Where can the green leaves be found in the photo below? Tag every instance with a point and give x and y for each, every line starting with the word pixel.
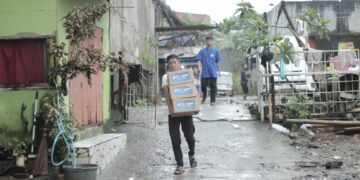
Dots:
pixel 80 22
pixel 146 56
pixel 315 23
pixel 287 50
pixel 226 25
pixel 245 9
pixel 20 145
pixel 260 25
pixel 80 25
pixel 297 107
pixel 141 102
pixel 83 60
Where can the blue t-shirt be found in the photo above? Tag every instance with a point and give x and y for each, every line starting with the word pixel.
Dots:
pixel 209 57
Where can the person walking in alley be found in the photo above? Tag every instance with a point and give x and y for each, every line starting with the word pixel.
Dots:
pixel 209 64
pixel 244 81
pixel 187 124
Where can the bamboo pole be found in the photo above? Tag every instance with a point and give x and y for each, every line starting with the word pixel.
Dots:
pixel 352 129
pixel 335 122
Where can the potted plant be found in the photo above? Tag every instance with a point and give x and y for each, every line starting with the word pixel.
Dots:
pixel 19 151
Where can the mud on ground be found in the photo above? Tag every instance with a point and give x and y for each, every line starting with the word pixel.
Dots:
pixel 328 155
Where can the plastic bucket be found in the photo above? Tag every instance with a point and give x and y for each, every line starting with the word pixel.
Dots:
pixel 80 172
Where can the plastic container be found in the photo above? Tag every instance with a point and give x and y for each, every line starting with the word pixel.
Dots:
pixel 80 172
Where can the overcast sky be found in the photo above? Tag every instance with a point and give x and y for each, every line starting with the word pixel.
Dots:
pixel 217 9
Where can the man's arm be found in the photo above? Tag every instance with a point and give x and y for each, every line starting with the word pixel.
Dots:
pixel 217 60
pixel 199 57
pixel 166 91
pixel 168 100
pixel 218 68
pixel 199 65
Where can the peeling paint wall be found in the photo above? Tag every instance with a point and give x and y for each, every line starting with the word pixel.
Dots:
pixel 343 16
pixel 39 17
pixel 129 27
pixel 132 24
pixel 295 10
pixel 355 18
pixel 31 17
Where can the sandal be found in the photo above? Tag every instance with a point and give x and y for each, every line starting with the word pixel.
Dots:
pixel 193 162
pixel 179 170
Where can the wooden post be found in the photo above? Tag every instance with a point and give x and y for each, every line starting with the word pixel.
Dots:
pixel 272 94
pixel 261 106
pixel 270 111
pixel 271 101
pixel 271 97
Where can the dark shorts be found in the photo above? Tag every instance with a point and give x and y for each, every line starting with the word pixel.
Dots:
pixel 245 88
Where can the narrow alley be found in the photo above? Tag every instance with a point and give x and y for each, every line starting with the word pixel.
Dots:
pixel 243 149
pixel 107 89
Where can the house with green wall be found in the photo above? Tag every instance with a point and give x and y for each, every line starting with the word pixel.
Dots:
pixel 27 30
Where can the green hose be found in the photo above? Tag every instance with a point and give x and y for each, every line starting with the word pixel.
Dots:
pixel 66 136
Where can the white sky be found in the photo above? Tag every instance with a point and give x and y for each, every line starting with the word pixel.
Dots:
pixel 217 9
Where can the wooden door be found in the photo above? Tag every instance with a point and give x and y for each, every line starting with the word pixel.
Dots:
pixel 87 100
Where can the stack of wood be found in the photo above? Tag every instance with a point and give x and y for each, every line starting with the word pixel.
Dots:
pixel 340 126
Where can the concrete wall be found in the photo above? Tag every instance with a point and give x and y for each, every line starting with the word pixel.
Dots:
pixel 29 18
pixel 130 27
pixel 343 15
pixel 39 17
pixel 22 16
pixel 10 112
pixel 343 18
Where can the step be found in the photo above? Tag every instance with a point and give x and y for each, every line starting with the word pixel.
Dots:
pixel 100 150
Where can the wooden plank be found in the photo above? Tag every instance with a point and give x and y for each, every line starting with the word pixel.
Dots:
pixel 314 121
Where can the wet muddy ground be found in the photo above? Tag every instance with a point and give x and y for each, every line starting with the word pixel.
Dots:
pixel 328 155
pixel 251 151
pixel 232 146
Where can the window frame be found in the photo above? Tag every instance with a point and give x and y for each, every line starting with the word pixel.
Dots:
pixel 46 41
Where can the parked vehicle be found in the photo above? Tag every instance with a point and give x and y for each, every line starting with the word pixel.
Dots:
pixel 225 85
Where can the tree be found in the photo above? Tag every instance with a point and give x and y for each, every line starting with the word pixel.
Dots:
pixel 253 30
pixel 248 29
pixel 245 9
pixel 315 23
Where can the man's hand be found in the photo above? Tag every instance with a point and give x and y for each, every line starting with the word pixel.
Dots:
pixel 171 109
pixel 196 112
pixel 219 74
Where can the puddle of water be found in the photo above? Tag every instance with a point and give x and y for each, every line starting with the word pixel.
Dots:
pixel 230 175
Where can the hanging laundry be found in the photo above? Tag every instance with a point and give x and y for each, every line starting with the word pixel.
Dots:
pixel 282 64
pixel 301 28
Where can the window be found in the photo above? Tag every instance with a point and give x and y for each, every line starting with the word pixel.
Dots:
pixel 23 61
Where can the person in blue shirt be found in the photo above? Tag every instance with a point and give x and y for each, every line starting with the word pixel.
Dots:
pixel 209 64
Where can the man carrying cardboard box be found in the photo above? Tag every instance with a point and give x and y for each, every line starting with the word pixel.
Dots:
pixel 175 120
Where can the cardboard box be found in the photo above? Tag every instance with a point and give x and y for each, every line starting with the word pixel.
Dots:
pixel 188 106
pixel 183 91
pixel 180 77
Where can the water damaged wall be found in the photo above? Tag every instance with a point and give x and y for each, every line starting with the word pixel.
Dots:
pixel 343 15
